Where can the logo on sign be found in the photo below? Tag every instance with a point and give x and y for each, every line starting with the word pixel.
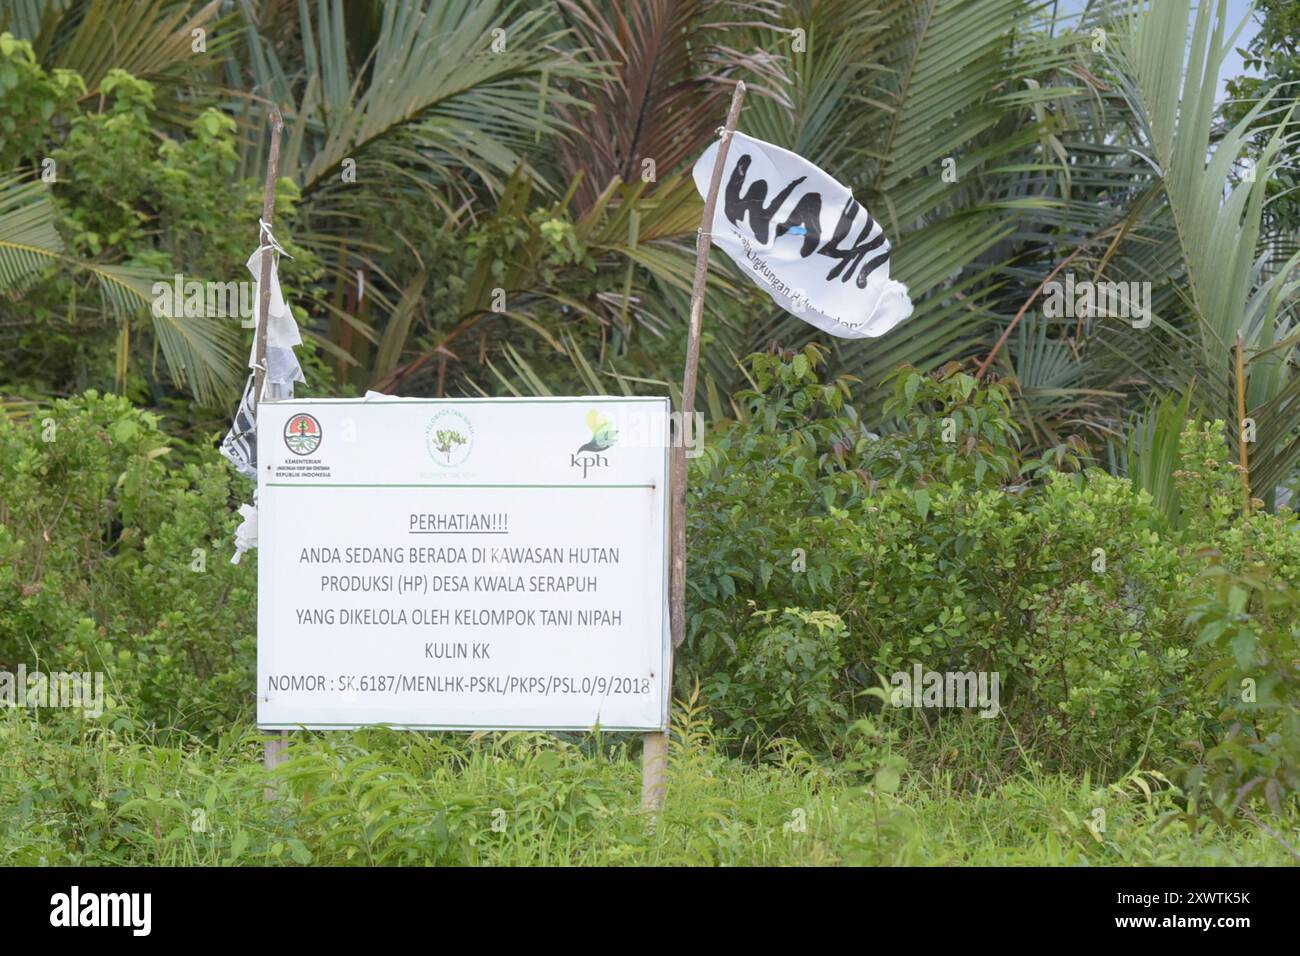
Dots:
pixel 302 434
pixel 603 437
pixel 449 437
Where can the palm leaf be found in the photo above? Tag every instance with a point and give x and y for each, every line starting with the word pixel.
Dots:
pixel 29 242
pixel 1152 452
pixel 908 109
pixel 1171 87
pixel 200 352
pixel 667 69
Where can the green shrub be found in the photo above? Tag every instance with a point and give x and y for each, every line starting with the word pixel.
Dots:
pixel 114 558
pixel 1252 624
pixel 785 681
pixel 931 548
pixel 30 99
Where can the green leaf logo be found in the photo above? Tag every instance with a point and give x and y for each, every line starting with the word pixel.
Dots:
pixel 603 433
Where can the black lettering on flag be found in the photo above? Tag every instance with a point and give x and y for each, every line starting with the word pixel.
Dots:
pixel 854 254
pixel 735 206
pixel 807 213
pixel 872 265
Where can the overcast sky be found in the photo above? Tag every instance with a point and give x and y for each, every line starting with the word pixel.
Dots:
pixel 1237 11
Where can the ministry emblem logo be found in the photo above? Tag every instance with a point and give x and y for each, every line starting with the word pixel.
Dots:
pixel 302 434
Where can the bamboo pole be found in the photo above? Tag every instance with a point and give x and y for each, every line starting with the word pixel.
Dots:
pixel 274 748
pixel 654 760
pixel 264 279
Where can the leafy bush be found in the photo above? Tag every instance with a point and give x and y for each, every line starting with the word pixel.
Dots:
pixel 931 548
pixel 114 558
pixel 1252 623
pixel 30 98
pixel 785 678
pixel 148 205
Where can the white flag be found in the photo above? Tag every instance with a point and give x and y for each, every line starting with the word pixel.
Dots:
pixel 804 238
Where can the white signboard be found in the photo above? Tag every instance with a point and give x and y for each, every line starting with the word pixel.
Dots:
pixel 462 564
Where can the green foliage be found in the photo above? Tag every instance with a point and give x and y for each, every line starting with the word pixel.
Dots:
pixel 105 208
pixel 74 794
pixel 1153 451
pixel 135 208
pixel 1252 624
pixel 30 99
pixel 761 494
pixel 100 516
pixel 948 429
pixel 1072 587
pixel 1274 50
pixel 114 558
pixel 785 680
pixel 824 557
pixel 181 207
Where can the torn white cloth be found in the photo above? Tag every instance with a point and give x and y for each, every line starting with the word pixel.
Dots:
pixel 282 371
pixel 282 334
pixel 240 444
pixel 246 533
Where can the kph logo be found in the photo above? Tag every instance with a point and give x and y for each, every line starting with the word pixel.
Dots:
pixel 603 437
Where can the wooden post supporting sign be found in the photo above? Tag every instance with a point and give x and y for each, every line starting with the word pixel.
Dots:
pixel 275 746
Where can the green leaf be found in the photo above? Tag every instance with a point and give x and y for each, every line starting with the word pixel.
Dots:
pixel 1243 648
pixel 887 780
pixel 238 845
pixel 922 499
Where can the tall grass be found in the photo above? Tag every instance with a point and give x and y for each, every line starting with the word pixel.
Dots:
pixel 75 793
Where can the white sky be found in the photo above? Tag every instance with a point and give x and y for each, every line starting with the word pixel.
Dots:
pixel 1237 11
